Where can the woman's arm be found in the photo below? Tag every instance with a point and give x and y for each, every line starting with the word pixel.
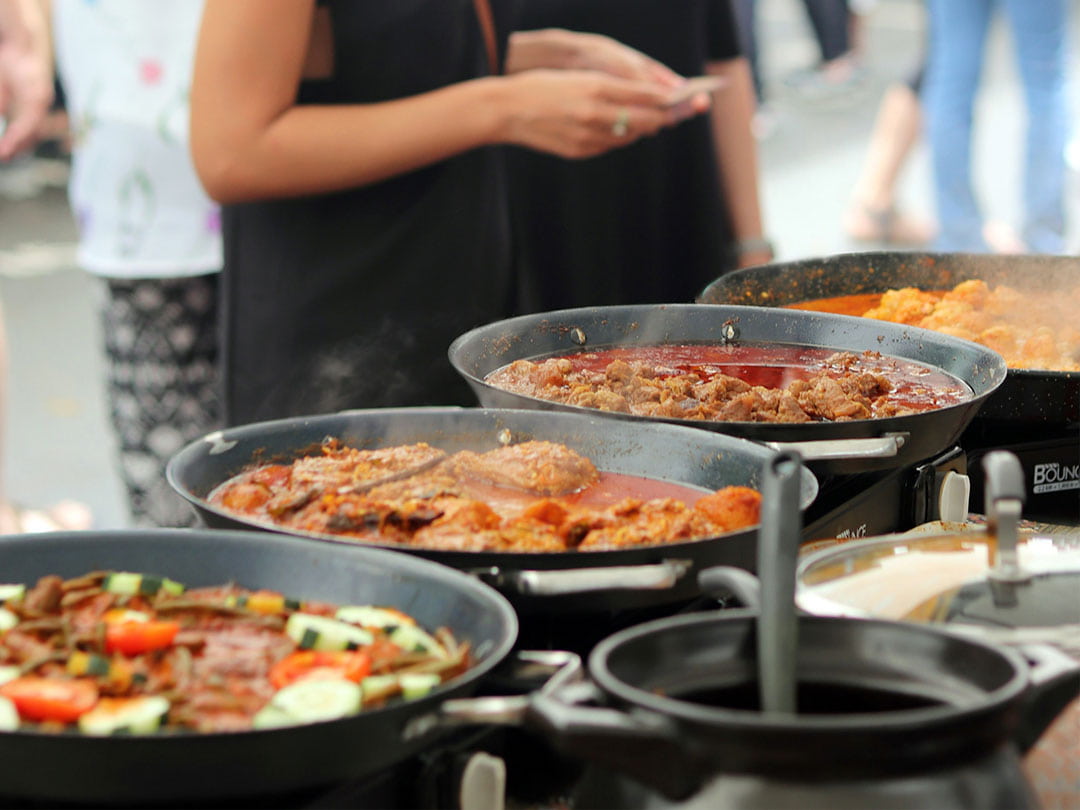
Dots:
pixel 26 76
pixel 251 141
pixel 736 157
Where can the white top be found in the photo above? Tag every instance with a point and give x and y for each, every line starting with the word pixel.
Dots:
pixel 125 67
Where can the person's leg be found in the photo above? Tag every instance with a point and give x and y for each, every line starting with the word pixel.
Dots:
pixel 954 63
pixel 1039 32
pixel 830 20
pixel 161 358
pixel 746 19
pixel 873 215
pixel 64 515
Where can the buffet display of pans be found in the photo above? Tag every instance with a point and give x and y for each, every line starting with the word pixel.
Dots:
pixel 172 768
pixel 538 584
pixel 1027 395
pixel 885 443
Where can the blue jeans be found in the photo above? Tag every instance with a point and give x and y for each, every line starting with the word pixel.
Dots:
pixel 958 31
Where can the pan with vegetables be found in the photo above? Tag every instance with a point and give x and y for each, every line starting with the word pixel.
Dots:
pixel 138 657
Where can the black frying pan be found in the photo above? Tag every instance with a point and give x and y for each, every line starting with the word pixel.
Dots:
pixel 894 442
pixel 536 583
pixel 1027 395
pixel 189 767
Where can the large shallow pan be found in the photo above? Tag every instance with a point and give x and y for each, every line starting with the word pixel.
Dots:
pixel 1027 395
pixel 174 768
pixel 881 443
pixel 536 583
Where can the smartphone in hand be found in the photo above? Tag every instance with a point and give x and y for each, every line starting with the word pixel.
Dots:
pixel 691 87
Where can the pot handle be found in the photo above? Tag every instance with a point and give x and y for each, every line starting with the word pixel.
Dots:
pixel 643 745
pixel 1054 683
pixel 657 576
pixel 719 581
pixel 885 446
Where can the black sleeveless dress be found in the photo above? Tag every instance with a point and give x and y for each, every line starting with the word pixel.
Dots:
pixel 643 224
pixel 350 300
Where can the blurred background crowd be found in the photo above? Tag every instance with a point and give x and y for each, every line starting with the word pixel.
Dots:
pixel 844 163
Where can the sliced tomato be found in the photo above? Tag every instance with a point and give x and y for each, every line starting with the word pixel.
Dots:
pixel 354 665
pixel 42 699
pixel 133 638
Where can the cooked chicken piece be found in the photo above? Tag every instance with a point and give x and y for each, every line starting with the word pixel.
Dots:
pixel 538 467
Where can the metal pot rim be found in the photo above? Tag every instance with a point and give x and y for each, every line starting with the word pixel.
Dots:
pixel 899 721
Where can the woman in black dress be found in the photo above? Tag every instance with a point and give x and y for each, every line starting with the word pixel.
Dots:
pixel 365 217
pixel 659 220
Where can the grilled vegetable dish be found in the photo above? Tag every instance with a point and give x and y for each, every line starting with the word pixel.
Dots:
pixel 735 383
pixel 535 496
pixel 116 652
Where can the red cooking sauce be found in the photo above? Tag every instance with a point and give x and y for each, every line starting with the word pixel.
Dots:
pixel 856 304
pixel 915 385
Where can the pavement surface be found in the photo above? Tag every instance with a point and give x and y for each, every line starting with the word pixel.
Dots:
pixel 57 443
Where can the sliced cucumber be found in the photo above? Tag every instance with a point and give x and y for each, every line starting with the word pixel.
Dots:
pixel 270 716
pixel 134 715
pixel 377 687
pixel 415 639
pixel 9 674
pixel 314 700
pixel 371 616
pixel 312 632
pixel 9 715
pixel 7 620
pixel 417 684
pixel 11 593
pixel 128 584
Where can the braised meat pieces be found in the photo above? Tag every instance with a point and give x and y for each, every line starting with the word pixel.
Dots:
pixel 664 384
pixel 534 496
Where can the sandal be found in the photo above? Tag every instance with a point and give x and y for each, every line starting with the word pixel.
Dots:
pixel 65 515
pixel 886 226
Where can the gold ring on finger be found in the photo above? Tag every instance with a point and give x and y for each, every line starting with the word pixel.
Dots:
pixel 621 127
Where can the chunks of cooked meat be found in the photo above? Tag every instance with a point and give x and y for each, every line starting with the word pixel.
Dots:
pixel 538 467
pixel 523 497
pixel 837 387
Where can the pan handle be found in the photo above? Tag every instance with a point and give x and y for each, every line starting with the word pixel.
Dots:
pixel 656 576
pixel 644 745
pixel 558 668
pixel 885 446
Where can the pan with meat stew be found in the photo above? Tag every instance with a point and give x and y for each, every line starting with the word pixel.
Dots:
pixel 546 537
pixel 849 394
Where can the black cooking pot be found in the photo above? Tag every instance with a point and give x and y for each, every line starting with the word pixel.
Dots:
pixel 538 584
pixel 834 447
pixel 1026 396
pixel 889 715
pixel 178 767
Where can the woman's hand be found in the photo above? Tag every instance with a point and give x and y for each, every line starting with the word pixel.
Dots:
pixel 582 113
pixel 598 52
pixel 573 50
